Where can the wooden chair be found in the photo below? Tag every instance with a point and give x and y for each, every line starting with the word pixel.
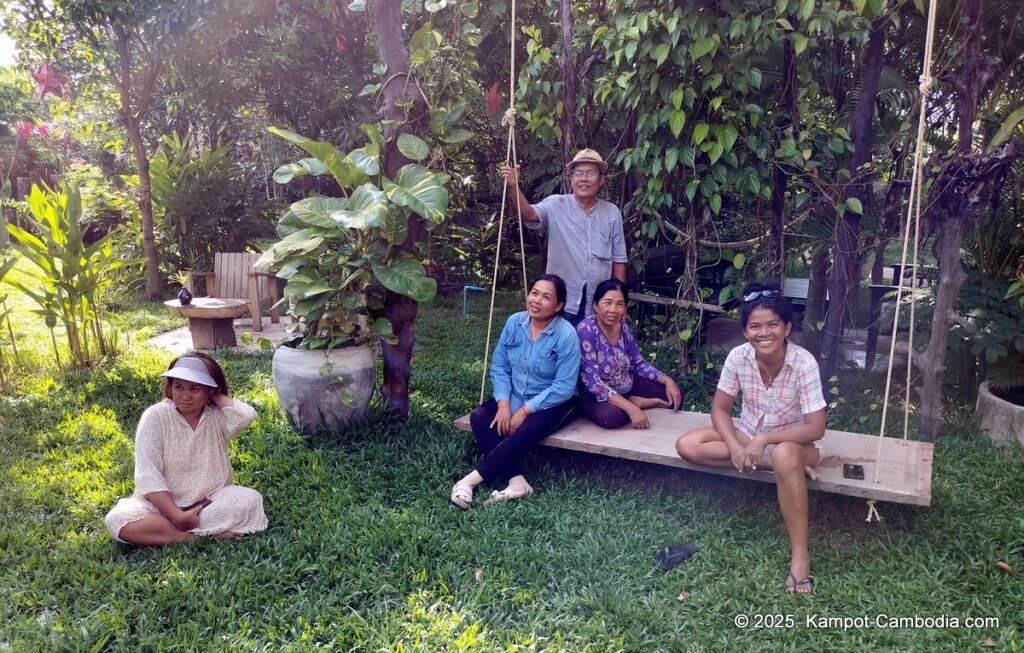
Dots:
pixel 235 276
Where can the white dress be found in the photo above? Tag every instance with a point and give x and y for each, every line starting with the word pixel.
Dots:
pixel 192 466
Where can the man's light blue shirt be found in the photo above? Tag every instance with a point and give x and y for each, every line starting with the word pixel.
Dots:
pixel 538 374
pixel 581 246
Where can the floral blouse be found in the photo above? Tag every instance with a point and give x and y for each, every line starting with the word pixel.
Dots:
pixel 608 368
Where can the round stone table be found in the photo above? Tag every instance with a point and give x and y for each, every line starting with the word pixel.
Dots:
pixel 209 320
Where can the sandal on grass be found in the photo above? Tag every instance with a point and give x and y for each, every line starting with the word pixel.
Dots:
pixel 462 495
pixel 794 586
pixel 671 556
pixel 510 493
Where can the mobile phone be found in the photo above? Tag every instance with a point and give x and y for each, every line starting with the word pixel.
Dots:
pixel 853 471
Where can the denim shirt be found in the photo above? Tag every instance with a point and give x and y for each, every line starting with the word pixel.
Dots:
pixel 538 374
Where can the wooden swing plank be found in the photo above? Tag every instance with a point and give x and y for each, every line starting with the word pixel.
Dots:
pixel 905 474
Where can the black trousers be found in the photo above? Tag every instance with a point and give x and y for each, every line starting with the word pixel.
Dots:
pixel 502 453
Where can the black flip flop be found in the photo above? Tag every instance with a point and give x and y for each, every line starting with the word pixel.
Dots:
pixel 671 556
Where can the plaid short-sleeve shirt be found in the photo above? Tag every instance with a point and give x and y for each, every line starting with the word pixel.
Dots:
pixel 795 393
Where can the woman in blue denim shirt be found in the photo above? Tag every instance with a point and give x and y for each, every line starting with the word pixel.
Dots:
pixel 534 372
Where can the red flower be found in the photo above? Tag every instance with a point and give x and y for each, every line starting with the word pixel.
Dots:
pixel 25 129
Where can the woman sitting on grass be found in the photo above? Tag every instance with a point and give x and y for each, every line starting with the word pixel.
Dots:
pixel 534 372
pixel 782 416
pixel 617 384
pixel 183 477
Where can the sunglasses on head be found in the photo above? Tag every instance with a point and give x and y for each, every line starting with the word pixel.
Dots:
pixel 749 297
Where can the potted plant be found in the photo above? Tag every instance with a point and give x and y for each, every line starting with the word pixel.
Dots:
pixel 1000 406
pixel 337 256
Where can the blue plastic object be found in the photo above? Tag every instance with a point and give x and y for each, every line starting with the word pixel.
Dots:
pixel 465 293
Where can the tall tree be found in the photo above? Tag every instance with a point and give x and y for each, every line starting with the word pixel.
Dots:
pixel 117 45
pixel 961 192
pixel 789 119
pixel 858 193
pixel 569 89
pixel 399 94
pixel 135 103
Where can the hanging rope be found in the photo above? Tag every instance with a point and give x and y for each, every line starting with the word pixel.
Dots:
pixel 512 160
pixel 913 218
pixel 873 513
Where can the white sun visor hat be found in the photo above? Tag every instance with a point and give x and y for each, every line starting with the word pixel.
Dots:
pixel 190 368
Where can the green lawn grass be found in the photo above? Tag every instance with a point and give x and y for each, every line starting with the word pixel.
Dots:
pixel 365 553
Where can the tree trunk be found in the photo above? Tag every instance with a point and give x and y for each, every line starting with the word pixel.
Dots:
pixel 951 274
pixel 569 86
pixel 933 361
pixel 891 213
pixel 848 224
pixel 776 246
pixel 777 251
pixel 131 122
pixel 399 309
pixel 817 291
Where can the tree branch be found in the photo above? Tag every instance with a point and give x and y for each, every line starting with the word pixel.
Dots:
pixel 967 325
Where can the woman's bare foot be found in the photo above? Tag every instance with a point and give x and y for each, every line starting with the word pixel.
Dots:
pixel 643 403
pixel 229 535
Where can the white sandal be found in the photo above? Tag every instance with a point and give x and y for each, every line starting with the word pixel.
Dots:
pixel 509 494
pixel 462 495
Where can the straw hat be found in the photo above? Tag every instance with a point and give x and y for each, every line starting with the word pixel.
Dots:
pixel 587 156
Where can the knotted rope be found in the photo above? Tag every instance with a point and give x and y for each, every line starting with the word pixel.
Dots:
pixel 512 160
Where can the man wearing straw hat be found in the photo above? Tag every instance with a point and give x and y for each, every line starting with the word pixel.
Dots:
pixel 585 240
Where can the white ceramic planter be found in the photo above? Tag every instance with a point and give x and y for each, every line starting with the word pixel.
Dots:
pixel 314 401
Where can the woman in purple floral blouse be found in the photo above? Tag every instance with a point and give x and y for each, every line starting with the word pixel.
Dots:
pixel 616 383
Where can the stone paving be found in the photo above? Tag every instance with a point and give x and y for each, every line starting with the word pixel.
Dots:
pixel 179 341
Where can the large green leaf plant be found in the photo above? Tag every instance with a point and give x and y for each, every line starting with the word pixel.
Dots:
pixel 339 255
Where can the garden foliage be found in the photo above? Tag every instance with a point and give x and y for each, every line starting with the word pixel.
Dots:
pixel 67 273
pixel 340 254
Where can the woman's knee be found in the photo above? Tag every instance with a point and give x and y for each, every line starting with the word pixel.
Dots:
pixel 252 498
pixel 606 415
pixel 787 456
pixel 239 497
pixel 689 444
pixel 686 446
pixel 481 418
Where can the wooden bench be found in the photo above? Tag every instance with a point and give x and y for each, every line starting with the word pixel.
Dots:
pixel 235 276
pixel 905 474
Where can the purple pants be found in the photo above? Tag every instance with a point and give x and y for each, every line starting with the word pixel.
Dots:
pixel 606 414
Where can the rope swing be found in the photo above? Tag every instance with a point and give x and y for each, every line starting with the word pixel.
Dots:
pixel 512 160
pixel 913 218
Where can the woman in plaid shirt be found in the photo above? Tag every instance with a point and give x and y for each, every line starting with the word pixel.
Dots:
pixel 782 416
